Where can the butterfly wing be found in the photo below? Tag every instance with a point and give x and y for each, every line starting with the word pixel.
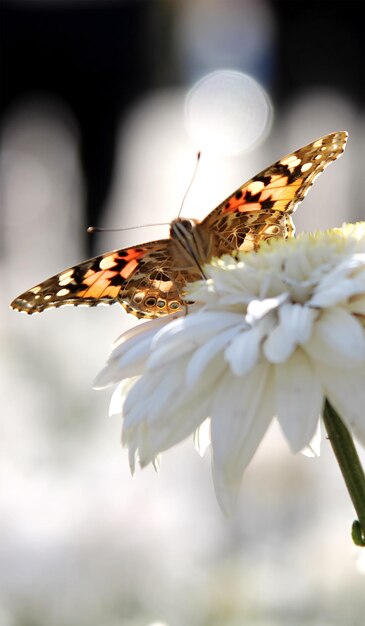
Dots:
pixel 262 207
pixel 148 280
pixel 141 278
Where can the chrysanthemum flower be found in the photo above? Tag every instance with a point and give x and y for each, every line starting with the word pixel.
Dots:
pixel 273 334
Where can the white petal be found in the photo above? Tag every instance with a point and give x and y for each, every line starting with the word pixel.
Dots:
pixel 343 290
pixel 157 463
pixel 203 355
pixel 170 392
pixel 234 299
pixel 201 291
pixel 132 455
pixel 135 351
pixel 205 321
pixel 338 339
pixel 154 394
pixel 173 349
pixel 171 431
pixel 278 346
pixel 298 267
pixel 298 320
pixel 240 414
pixel 202 437
pixel 243 352
pixel 167 391
pixel 356 305
pixel 258 308
pixel 137 402
pixel 314 447
pixel 165 411
pixel 116 401
pixel 345 279
pixel 295 327
pixel 128 356
pixel 146 454
pixel 109 375
pixel 137 335
pixel 129 365
pixel 232 280
pixel 345 390
pixel 299 400
pixel 187 334
pixel 139 329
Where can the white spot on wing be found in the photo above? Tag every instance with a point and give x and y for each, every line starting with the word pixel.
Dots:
pixel 65 275
pixel 306 166
pixel 291 161
pixel 65 281
pixel 107 263
pixel 256 187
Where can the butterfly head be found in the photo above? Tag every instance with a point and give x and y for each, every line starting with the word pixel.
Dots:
pixel 181 226
pixel 184 232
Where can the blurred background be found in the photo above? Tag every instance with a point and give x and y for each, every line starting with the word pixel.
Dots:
pixel 104 106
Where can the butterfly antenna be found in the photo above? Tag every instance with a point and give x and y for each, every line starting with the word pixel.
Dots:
pixel 191 182
pixel 95 229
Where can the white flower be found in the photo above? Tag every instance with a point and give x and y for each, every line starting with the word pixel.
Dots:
pixel 273 333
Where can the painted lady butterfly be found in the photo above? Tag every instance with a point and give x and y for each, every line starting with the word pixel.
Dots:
pixel 148 280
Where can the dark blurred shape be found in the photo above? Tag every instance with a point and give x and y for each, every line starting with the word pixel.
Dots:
pixel 320 44
pixel 95 57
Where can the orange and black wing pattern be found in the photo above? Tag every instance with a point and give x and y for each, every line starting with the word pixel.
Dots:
pixel 148 280
pixel 262 207
pixel 140 278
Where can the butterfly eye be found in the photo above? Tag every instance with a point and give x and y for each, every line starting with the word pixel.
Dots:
pixel 187 225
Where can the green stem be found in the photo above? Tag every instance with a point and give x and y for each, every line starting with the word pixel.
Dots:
pixel 350 466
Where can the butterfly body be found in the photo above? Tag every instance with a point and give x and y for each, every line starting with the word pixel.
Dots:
pixel 149 280
pixel 194 246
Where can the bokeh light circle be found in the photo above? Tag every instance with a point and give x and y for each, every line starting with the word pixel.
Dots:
pixel 227 112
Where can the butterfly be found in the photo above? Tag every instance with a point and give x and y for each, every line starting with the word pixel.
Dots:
pixel 148 280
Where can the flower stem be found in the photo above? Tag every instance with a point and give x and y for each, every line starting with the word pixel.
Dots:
pixel 350 466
